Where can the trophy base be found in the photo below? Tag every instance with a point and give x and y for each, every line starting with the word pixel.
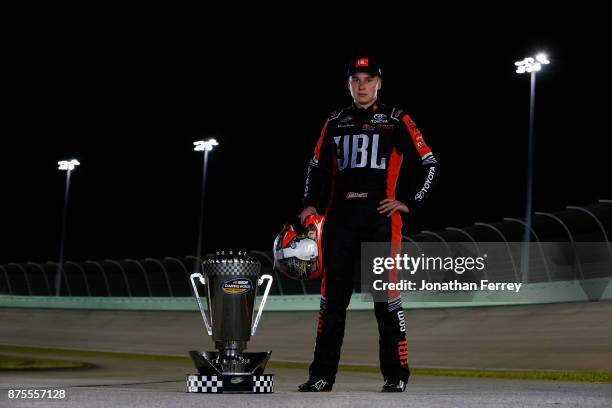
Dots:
pixel 212 378
pixel 230 384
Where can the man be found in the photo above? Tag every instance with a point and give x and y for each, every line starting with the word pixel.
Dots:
pixel 357 160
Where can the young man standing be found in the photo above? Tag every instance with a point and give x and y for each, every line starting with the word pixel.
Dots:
pixel 357 160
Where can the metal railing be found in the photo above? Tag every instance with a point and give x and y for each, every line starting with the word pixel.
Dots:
pixel 169 277
pixel 149 277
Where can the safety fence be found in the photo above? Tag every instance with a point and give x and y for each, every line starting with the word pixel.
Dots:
pixel 169 277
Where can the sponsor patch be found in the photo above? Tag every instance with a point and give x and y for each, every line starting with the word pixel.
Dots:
pixel 402 351
pixel 351 194
pixel 379 118
pixel 402 321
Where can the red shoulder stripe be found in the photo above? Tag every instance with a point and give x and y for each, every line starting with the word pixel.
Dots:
pixel 417 137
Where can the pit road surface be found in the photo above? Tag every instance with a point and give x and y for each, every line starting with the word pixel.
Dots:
pixel 565 336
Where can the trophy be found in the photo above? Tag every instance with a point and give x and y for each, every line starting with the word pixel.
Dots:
pixel 231 281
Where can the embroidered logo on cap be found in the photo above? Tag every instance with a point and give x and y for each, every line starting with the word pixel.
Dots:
pixel 361 62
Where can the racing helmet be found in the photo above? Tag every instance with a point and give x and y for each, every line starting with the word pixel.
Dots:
pixel 297 249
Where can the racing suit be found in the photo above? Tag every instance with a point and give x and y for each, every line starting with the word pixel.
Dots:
pixel 357 161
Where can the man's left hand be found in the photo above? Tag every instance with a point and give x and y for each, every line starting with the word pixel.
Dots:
pixel 389 207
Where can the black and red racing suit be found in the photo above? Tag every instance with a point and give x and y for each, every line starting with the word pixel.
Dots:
pixel 357 163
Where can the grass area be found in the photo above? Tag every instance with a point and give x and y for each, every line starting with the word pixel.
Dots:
pixel 542 375
pixel 12 363
pixel 100 354
pixel 546 375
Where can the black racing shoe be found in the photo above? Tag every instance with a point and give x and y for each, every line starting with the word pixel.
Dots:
pixel 394 386
pixel 315 385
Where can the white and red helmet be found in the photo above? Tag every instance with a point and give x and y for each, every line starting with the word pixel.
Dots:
pixel 297 249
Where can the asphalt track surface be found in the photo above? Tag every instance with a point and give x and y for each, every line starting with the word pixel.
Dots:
pixel 353 390
pixel 565 336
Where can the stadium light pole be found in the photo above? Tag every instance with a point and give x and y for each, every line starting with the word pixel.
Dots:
pixel 530 65
pixel 68 166
pixel 202 146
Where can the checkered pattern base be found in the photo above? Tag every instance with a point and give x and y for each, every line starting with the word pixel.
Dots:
pixel 213 384
pixel 263 384
pixel 204 383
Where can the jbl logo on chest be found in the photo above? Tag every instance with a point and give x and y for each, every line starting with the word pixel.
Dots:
pixel 360 151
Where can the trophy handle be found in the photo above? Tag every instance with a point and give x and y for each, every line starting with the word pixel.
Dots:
pixel 263 300
pixel 195 290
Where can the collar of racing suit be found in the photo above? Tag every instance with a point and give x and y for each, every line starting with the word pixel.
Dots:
pixel 372 108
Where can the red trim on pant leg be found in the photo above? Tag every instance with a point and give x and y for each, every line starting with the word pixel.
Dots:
pixel 320 323
pixel 329 203
pixel 396 230
pixel 396 248
pixel 320 267
pixel 395 162
pixel 323 275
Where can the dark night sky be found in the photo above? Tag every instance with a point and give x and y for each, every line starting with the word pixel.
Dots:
pixel 129 101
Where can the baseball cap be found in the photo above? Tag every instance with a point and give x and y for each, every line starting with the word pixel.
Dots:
pixel 363 64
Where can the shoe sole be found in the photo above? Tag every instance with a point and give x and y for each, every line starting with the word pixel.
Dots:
pixel 313 390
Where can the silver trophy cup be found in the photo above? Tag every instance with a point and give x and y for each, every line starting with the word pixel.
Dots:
pixel 231 282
